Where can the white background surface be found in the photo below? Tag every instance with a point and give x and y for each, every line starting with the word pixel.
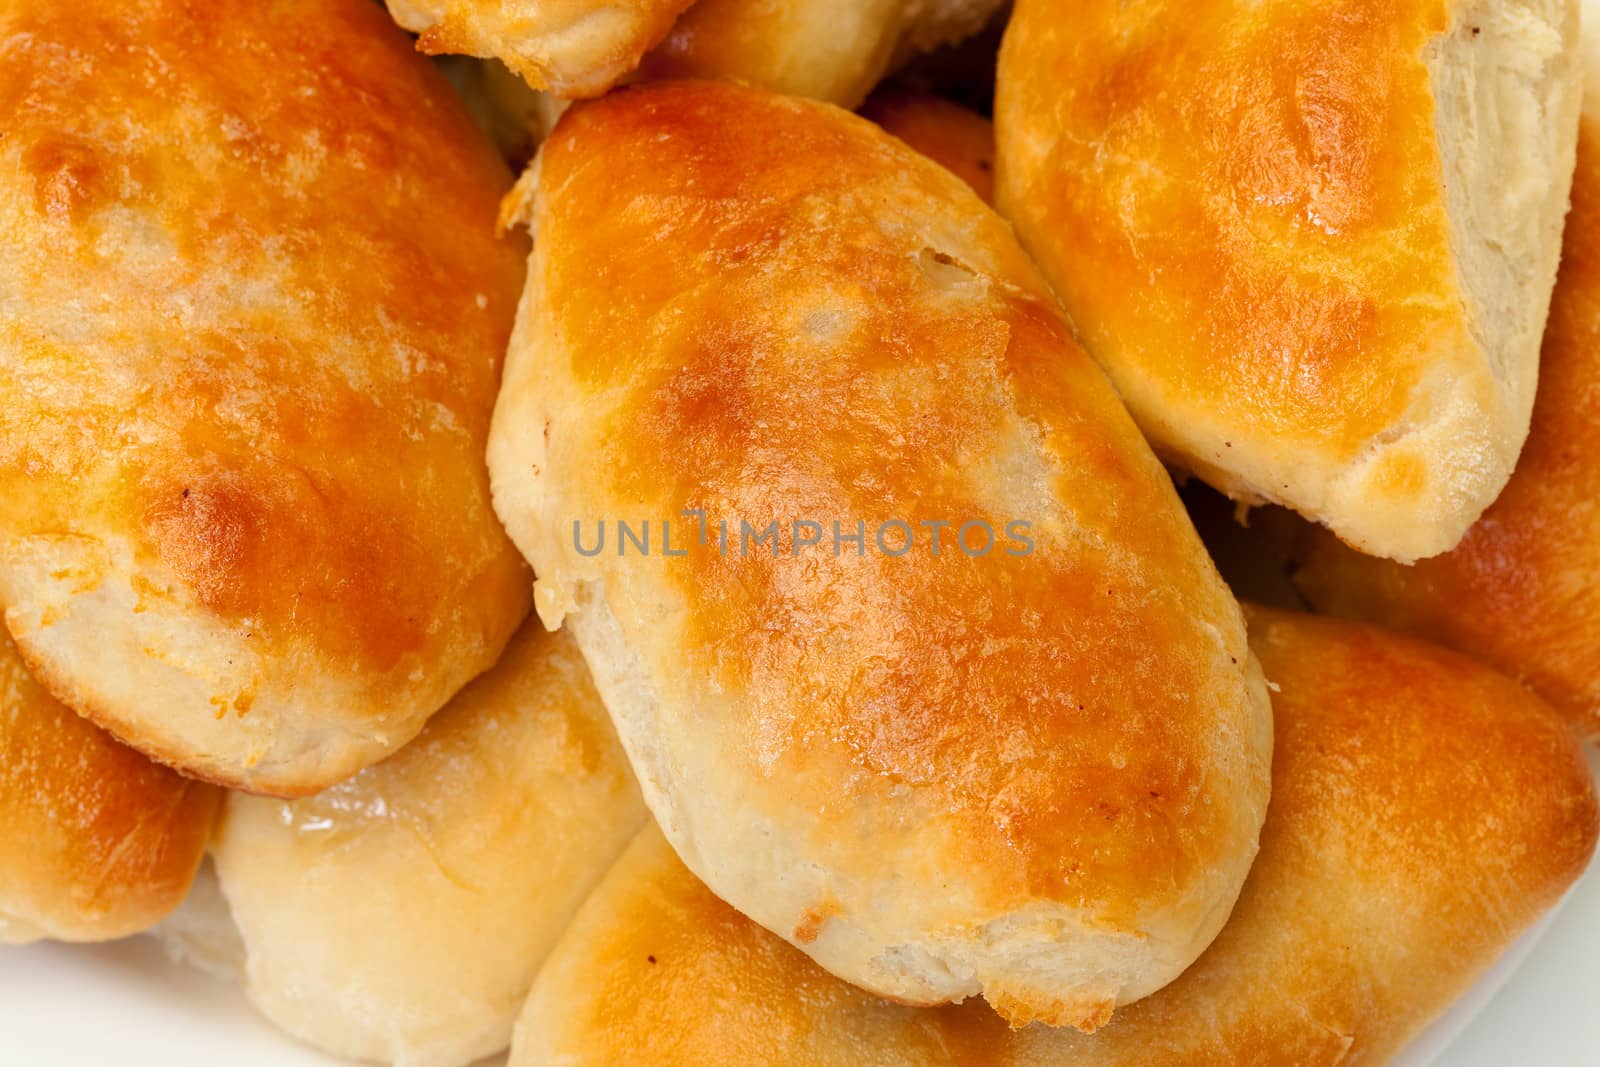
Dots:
pixel 126 1004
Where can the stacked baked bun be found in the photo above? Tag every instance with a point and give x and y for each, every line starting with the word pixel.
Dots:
pixel 882 633
pixel 1312 243
pixel 254 318
pixel 401 915
pixel 1422 807
pixel 1521 590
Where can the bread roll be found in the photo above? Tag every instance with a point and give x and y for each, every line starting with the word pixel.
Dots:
pixel 1424 811
pixel 1312 241
pixel 1522 590
pixel 955 137
pixel 252 313
pixel 1034 771
pixel 99 842
pixel 573 48
pixel 834 50
pixel 401 916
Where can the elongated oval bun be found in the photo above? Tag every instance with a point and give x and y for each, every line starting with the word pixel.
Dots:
pixel 252 320
pixel 957 138
pixel 833 50
pixel 99 842
pixel 400 916
pixel 1424 812
pixel 1032 768
pixel 573 48
pixel 1312 241
pixel 1522 590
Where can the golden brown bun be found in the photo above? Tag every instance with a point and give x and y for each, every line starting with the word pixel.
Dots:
pixel 573 48
pixel 1039 775
pixel 1424 811
pixel 957 138
pixel 1522 590
pixel 401 915
pixel 251 329
pixel 1312 241
pixel 98 842
pixel 833 50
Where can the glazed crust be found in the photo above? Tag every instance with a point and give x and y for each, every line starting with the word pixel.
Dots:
pixel 1522 590
pixel 768 309
pixel 1311 242
pixel 252 314
pixel 99 842
pixel 833 50
pixel 1424 812
pixel 957 138
pixel 572 48
pixel 401 915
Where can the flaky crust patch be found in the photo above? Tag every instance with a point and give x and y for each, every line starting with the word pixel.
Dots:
pixel 572 48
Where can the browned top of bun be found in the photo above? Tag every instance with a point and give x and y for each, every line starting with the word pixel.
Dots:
pixel 254 321
pixel 1059 651
pixel 99 842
